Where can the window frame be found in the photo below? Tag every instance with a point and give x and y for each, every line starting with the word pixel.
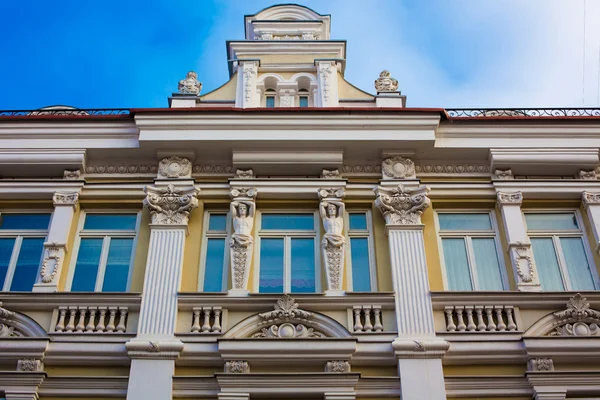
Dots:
pixel 287 235
pixel 555 235
pixel 368 234
pixel 19 235
pixel 467 235
pixel 104 235
pixel 270 92
pixel 206 234
pixel 303 93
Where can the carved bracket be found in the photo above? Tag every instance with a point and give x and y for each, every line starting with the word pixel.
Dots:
pixel 174 167
pixel 541 364
pixel 29 365
pixel 237 367
pixel 170 206
pixel 504 198
pixel 398 167
pixel 401 206
pixel 62 199
pixel 337 366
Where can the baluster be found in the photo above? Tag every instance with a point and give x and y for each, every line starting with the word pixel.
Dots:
pixel 111 319
pixel 206 324
pixel 470 323
pixel 511 322
pixel 92 321
pixel 450 326
pixel 491 326
pixel 358 327
pixel 81 324
pixel 368 324
pixel 122 326
pixel 71 323
pixel 60 325
pixel 501 325
pixel 196 320
pixel 378 326
pixel 480 324
pixel 217 324
pixel 101 327
pixel 459 317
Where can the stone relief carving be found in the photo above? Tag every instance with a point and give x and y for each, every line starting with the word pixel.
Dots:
pixel 60 198
pixel 249 72
pixel 288 330
pixel 326 73
pixel 7 328
pixel 577 320
pixel 51 261
pixel 503 175
pixel 385 82
pixel 244 173
pixel 401 206
pixel 523 261
pixel 541 364
pixel 190 85
pixel 331 174
pixel 510 198
pixel 29 365
pixel 587 175
pixel 170 206
pixel 281 321
pixel 332 210
pixel 398 167
pixel 174 167
pixel 286 100
pixel 337 366
pixel 72 174
pixel 590 198
pixel 121 169
pixel 237 367
pixel 213 169
pixel 452 169
pixel 285 309
pixel 362 169
pixel 242 209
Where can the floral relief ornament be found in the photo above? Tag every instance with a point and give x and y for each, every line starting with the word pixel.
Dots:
pixel 590 198
pixel 6 327
pixel 577 320
pixel 398 167
pixel 52 255
pixel 281 321
pixel 385 83
pixel 401 206
pixel 174 167
pixel 190 85
pixel 170 206
pixel 510 198
pixel 60 198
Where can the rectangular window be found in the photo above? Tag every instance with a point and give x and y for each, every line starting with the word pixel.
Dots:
pixel 104 255
pixel 303 101
pixel 22 238
pixel 270 101
pixel 289 253
pixel 560 251
pixel 470 246
pixel 360 247
pixel 215 253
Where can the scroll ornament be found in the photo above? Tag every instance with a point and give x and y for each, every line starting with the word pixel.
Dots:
pixel 401 206
pixel 170 206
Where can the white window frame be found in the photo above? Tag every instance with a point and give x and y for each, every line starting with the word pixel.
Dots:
pixel 556 235
pixel 270 92
pixel 206 234
pixel 106 236
pixel 360 233
pixel 306 94
pixel 467 235
pixel 287 235
pixel 19 235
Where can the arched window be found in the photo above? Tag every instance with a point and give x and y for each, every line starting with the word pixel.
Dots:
pixel 270 98
pixel 303 98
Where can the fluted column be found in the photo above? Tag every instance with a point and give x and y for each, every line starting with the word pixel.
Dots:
pixel 519 246
pixel 417 349
pixel 55 246
pixel 155 348
pixel 591 203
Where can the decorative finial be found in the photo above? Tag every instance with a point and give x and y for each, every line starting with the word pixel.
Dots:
pixel 385 83
pixel 191 84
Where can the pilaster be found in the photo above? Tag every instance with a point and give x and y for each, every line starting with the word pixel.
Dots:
pixel 247 95
pixel 519 246
pixel 417 349
pixel 591 203
pixel 55 246
pixel 327 91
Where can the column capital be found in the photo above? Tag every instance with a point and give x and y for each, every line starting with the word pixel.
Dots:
pixel 505 198
pixel 65 199
pixel 589 198
pixel 170 205
pixel 401 206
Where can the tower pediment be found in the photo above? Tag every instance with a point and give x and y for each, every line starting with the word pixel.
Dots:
pixel 287 22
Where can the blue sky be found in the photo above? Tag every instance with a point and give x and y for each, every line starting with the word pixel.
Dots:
pixel 460 53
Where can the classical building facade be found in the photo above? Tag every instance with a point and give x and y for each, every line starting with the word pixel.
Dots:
pixel 288 235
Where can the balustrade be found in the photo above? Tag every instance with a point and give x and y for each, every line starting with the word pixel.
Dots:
pixel 480 319
pixel 207 320
pixel 83 319
pixel 367 319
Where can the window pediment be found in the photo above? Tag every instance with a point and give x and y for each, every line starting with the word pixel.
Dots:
pixel 16 325
pixel 578 319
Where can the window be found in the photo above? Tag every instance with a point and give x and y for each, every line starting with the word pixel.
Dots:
pixel 104 252
pixel 270 98
pixel 361 260
pixel 470 251
pixel 303 98
pixel 215 252
pixel 560 251
pixel 22 238
pixel 288 253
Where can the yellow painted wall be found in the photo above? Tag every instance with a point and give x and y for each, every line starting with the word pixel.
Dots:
pixel 70 245
pixel 223 92
pixel 458 370
pixel 382 252
pixel 348 91
pixel 86 371
pixel 191 255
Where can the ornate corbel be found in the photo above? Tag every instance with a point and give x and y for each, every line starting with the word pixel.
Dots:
pixel 337 366
pixel 29 365
pixel 398 167
pixel 244 173
pixel 503 174
pixel 237 367
pixel 241 244
pixel 540 364
pixel 587 175
pixel 331 174
pixel 401 206
pixel 169 205
pixel 72 174
pixel 504 198
pixel 65 199
pixel 174 167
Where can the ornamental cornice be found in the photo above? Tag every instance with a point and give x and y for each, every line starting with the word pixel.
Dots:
pixel 401 206
pixel 504 198
pixel 170 205
pixel 65 199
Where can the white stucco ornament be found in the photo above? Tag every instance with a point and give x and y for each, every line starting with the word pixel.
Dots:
pixel 398 167
pixel 174 167
pixel 385 82
pixel 190 85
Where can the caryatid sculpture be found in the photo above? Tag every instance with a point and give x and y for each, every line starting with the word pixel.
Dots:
pixel 332 213
pixel 243 209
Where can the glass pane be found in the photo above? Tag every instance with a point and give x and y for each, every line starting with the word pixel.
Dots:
pixel 213 265
pixel 25 221
pixel 578 266
pixel 361 274
pixel 217 222
pixel 547 264
pixel 117 265
pixel 303 101
pixel 486 261
pixel 288 221
pixel 457 265
pixel 271 266
pixel 270 102
pixel 121 222
pixel 28 264
pixel 303 265
pixel 6 249
pixel 551 221
pixel 86 269
pixel 358 221
pixel 465 222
